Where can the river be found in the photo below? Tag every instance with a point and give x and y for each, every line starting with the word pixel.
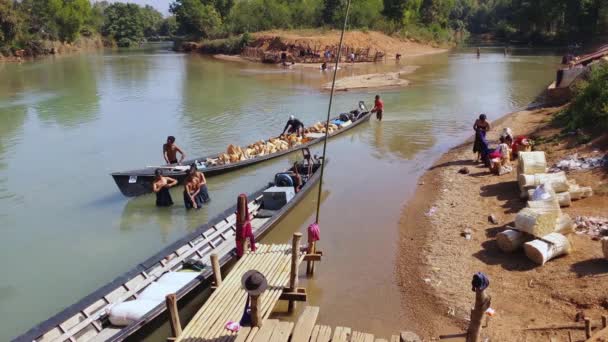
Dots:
pixel 67 122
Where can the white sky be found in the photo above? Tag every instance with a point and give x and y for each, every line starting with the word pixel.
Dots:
pixel 161 5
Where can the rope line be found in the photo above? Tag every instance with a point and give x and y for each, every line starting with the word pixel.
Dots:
pixel 331 97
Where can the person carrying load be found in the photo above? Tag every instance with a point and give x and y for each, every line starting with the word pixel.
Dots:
pixel 294 126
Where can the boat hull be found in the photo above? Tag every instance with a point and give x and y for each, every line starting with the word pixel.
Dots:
pixel 139 182
pixel 188 291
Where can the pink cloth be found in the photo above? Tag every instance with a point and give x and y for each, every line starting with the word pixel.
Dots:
pixel 244 232
pixel 313 233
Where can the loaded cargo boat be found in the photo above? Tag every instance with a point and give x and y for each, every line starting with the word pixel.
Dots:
pixel 139 182
pixel 124 306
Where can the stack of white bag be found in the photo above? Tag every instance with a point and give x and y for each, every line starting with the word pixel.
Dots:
pixel 531 172
pixel 125 313
pixel 541 228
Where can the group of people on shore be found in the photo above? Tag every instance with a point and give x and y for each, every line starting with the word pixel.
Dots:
pixel 195 185
pixel 499 158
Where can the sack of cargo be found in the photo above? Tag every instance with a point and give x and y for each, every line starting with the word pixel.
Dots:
pixel 177 280
pixel 126 313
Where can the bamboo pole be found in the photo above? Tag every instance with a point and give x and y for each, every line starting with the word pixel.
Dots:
pixel 217 272
pixel 604 321
pixel 293 276
pixel 587 327
pixel 176 326
pixel 310 265
pixel 482 303
pixel 255 312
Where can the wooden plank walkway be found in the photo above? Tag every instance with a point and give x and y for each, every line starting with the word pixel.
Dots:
pixel 227 302
pixel 305 329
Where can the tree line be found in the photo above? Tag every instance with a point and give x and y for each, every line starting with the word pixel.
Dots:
pixel 27 23
pixel 539 21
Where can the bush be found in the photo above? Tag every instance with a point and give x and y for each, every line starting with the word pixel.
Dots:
pixel 589 109
pixel 231 46
pixel 125 42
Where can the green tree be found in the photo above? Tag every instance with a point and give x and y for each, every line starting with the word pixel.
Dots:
pixel 152 20
pixel 124 23
pixel 196 18
pixel 69 17
pixel 590 105
pixel 168 27
pixel 10 22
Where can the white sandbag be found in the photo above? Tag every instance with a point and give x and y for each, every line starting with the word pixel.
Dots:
pixel 156 291
pixel 565 225
pixel 559 178
pixel 551 246
pixel 511 240
pixel 563 198
pixel 578 192
pixel 531 163
pixel 125 313
pixel 537 222
pixel 177 279
pixel 548 204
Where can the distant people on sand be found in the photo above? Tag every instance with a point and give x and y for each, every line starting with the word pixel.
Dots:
pixel 161 186
pixel 324 66
pixel 195 189
pixel 352 57
pixel 294 126
pixel 170 151
pixel 481 127
pixel 378 108
pixel 478 53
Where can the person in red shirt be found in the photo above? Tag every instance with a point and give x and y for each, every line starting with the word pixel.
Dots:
pixel 378 108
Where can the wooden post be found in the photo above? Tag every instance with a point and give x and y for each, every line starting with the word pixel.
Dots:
pixel 310 265
pixel 176 326
pixel 255 312
pixel 587 327
pixel 217 272
pixel 604 321
pixel 482 303
pixel 293 276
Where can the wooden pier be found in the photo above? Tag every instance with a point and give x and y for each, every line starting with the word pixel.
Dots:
pixel 306 329
pixel 278 263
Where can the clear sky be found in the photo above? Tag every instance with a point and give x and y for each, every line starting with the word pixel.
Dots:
pixel 161 5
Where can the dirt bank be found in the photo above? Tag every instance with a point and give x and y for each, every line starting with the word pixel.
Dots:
pixel 374 40
pixel 437 262
pixel 380 80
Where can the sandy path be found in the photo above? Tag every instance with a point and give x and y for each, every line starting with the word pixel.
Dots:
pixel 523 294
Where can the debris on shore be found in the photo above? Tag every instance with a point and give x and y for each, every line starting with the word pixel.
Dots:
pixel 576 163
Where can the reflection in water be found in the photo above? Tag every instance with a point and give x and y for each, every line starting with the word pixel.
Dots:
pixel 74 83
pixel 402 137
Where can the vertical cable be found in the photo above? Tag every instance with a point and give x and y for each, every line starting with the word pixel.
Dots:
pixel 331 97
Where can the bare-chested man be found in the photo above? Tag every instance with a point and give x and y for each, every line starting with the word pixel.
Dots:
pixel 170 150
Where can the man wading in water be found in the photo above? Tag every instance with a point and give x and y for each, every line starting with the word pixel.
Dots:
pixel 170 151
pixel 378 108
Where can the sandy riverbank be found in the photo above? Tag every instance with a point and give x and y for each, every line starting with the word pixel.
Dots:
pixel 436 263
pixel 379 80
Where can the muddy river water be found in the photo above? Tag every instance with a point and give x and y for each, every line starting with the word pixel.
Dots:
pixel 67 122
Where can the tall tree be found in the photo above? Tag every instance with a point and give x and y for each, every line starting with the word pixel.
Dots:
pixel 124 23
pixel 10 22
pixel 197 18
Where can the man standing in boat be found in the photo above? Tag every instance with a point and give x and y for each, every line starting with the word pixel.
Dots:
pixel 294 126
pixel 378 108
pixel 170 150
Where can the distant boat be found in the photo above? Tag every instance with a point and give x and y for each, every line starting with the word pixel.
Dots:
pixel 88 319
pixel 139 182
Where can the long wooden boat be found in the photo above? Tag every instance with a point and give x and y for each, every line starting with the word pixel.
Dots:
pixel 139 182
pixel 87 320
